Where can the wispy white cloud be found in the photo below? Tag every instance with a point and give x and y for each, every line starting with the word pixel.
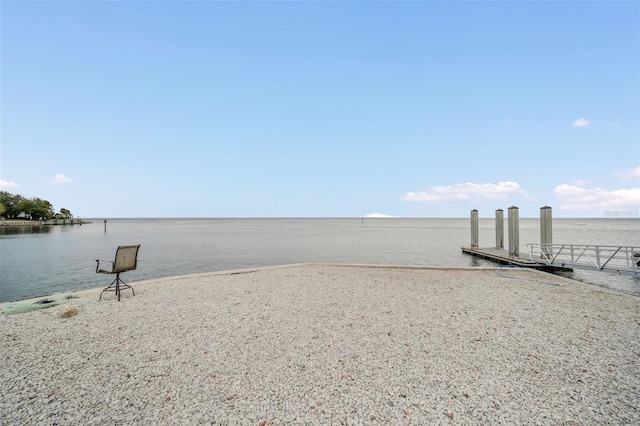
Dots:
pixel 575 196
pixel 7 184
pixel 506 122
pixel 581 122
pixel 61 178
pixel 614 124
pixel 468 191
pixel 627 174
pixel 378 215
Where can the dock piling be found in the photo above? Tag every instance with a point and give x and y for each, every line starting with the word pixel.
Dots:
pixel 514 231
pixel 499 229
pixel 474 229
pixel 546 233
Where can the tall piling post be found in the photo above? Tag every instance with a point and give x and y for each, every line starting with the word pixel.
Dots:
pixel 474 228
pixel 514 231
pixel 499 229
pixel 546 232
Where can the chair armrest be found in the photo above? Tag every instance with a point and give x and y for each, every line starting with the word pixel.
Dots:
pixel 103 269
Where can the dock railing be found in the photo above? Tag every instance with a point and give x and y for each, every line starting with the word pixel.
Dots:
pixel 619 259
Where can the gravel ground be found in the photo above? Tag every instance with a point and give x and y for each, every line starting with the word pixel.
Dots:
pixel 328 344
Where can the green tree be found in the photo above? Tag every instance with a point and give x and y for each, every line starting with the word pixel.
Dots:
pixel 65 214
pixel 35 208
pixel 41 210
pixel 11 204
pixel 23 207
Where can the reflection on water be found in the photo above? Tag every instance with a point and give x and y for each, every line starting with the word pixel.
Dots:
pixel 476 261
pixel 25 229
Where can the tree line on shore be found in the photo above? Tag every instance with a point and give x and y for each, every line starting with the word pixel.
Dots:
pixel 15 206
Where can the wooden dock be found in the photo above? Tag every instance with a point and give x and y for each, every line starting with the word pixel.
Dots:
pixel 502 256
pixel 622 260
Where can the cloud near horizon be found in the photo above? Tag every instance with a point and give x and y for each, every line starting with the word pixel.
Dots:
pixel 377 215
pixel 627 174
pixel 581 122
pixel 468 191
pixel 61 178
pixel 7 184
pixel 578 197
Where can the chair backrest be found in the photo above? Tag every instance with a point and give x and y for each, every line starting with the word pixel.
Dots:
pixel 126 258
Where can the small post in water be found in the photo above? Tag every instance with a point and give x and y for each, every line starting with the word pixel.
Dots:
pixel 546 237
pixel 105 226
pixel 514 232
pixel 499 229
pixel 474 228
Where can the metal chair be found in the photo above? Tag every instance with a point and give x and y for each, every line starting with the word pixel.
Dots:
pixel 126 260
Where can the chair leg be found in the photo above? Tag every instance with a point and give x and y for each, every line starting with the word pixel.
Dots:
pixel 109 288
pixel 124 286
pixel 117 287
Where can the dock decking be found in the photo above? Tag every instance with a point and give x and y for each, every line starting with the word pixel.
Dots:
pixel 502 256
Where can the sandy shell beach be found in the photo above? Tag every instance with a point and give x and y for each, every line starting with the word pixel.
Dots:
pixel 329 344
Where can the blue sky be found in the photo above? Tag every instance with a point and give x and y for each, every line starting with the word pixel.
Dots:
pixel 322 109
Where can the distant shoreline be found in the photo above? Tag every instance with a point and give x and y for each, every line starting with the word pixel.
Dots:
pixel 16 222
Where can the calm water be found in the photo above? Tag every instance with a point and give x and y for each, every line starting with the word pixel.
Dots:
pixel 44 260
